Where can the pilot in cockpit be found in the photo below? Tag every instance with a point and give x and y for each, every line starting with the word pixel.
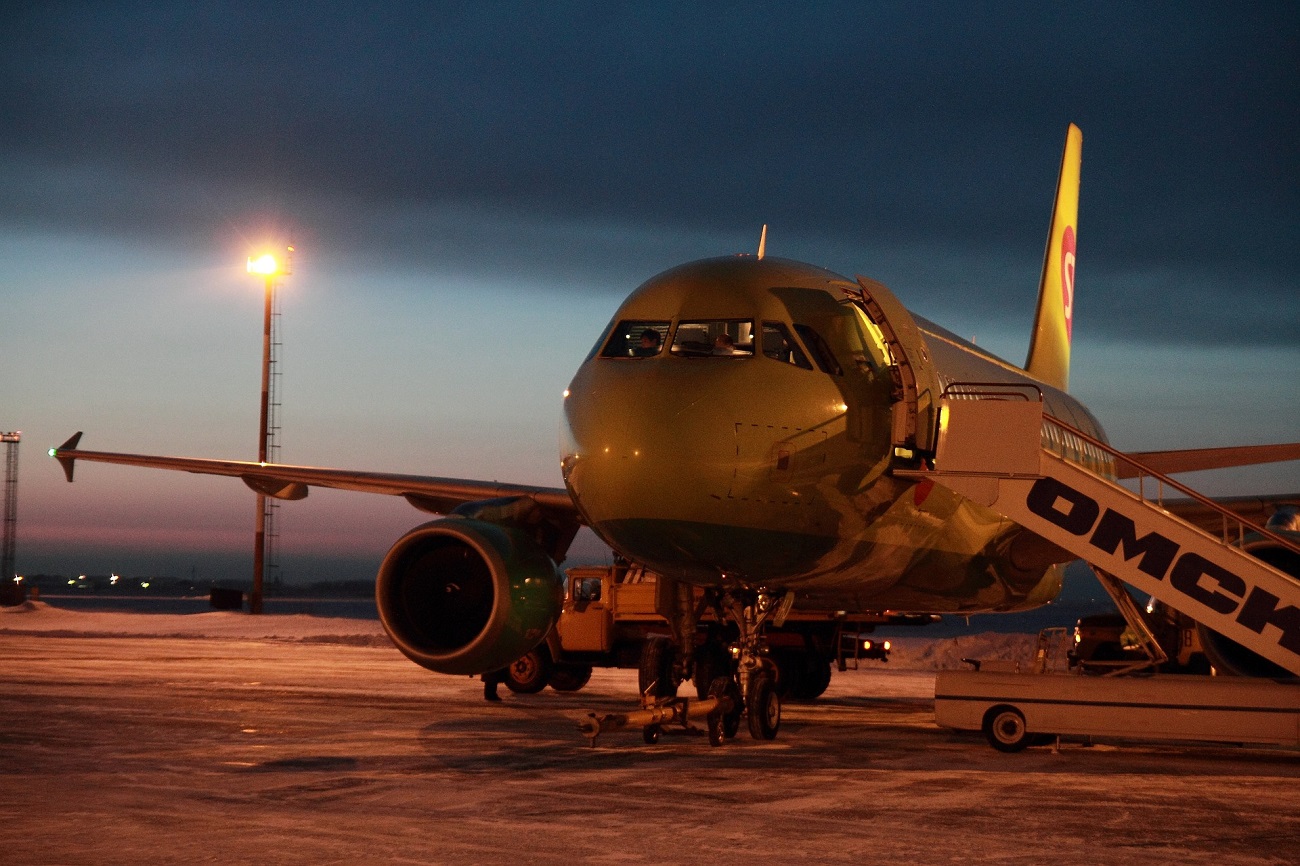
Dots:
pixel 723 344
pixel 648 346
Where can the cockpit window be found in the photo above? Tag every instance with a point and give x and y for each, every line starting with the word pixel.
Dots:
pixel 636 339
pixel 821 351
pixel 780 346
pixel 715 337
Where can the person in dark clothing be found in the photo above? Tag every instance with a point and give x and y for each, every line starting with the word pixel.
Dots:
pixel 491 680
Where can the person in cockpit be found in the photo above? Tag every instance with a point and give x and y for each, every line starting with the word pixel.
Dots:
pixel 724 345
pixel 648 346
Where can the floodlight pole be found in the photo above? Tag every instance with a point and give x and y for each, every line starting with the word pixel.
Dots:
pixel 259 535
pixel 270 269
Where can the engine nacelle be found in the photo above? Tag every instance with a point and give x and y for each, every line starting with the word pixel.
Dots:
pixel 464 596
pixel 1227 655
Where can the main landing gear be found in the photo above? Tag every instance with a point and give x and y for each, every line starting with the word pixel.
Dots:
pixel 733 681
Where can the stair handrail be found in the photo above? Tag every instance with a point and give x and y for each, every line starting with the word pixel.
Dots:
pixel 1242 523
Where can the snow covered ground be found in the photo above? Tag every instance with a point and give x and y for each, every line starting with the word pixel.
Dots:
pixel 909 653
pixel 226 738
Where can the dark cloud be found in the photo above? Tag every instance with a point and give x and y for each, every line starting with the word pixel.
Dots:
pixel 850 125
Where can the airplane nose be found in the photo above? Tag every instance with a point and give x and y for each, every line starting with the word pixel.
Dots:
pixel 621 455
pixel 642 457
pixel 675 466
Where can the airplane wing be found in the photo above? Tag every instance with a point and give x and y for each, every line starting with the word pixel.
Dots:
pixel 282 481
pixel 1256 509
pixel 1196 459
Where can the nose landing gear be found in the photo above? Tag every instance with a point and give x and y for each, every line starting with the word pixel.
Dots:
pixel 750 691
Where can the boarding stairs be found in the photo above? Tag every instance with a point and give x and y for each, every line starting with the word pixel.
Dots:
pixel 991 449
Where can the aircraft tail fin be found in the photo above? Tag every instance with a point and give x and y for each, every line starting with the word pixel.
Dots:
pixel 1049 346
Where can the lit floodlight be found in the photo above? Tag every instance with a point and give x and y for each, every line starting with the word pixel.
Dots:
pixel 265 265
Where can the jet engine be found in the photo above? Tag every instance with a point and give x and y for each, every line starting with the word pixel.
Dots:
pixel 1229 656
pixel 464 596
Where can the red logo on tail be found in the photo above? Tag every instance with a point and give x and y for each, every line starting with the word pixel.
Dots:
pixel 1067 280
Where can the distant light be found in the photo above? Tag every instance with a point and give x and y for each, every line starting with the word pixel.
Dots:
pixel 144 584
pixel 265 265
pixel 566 393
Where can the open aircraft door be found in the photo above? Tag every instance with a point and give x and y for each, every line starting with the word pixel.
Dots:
pixel 916 385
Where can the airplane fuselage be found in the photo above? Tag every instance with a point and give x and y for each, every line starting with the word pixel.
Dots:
pixel 765 458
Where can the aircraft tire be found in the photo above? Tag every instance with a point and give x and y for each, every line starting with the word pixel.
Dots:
pixel 716 735
pixel 730 722
pixel 764 708
pixel 655 676
pixel 711 662
pixel 529 674
pixel 1004 728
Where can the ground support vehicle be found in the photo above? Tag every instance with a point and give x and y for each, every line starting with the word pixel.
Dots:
pixel 1017 709
pixel 1105 643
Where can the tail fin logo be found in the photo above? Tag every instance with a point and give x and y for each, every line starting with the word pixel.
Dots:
pixel 1067 280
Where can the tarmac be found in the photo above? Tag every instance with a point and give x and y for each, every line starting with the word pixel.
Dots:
pixel 190 750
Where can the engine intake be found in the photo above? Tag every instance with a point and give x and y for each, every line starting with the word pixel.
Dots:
pixel 465 596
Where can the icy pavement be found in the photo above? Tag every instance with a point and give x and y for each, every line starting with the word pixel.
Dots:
pixel 299 742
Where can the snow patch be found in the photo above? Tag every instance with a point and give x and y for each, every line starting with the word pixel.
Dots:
pixel 940 654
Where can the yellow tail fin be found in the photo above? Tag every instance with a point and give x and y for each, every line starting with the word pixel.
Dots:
pixel 1049 346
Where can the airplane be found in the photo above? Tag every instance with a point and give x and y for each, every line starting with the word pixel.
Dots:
pixel 760 429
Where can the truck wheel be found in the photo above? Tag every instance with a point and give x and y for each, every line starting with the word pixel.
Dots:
pixel 790 667
pixel 763 708
pixel 655 676
pixel 1004 727
pixel 815 679
pixel 529 673
pixel 570 678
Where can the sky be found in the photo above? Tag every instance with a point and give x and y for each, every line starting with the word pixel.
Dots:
pixel 471 189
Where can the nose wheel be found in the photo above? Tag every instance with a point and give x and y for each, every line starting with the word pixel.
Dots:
pixel 753 684
pixel 724 722
pixel 763 708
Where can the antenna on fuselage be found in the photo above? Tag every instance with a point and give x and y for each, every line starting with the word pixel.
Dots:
pixel 762 242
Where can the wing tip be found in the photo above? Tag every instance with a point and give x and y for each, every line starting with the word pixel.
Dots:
pixel 66 454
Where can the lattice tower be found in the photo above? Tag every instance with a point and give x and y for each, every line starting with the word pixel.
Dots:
pixel 10 534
